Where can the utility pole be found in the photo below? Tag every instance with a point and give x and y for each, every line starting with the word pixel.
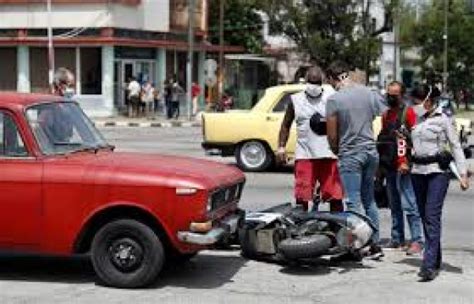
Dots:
pixel 396 38
pixel 190 61
pixel 220 81
pixel 445 55
pixel 367 31
pixel 50 46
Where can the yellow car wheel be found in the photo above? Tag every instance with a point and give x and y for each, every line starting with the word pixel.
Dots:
pixel 254 156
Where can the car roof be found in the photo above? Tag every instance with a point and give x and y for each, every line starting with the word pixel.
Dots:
pixel 14 99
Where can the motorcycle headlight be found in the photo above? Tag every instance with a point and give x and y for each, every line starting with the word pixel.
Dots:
pixel 209 203
pixel 359 232
pixel 356 235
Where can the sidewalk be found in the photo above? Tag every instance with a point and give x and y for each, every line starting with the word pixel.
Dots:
pixel 151 122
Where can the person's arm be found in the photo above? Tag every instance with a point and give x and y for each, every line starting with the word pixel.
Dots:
pixel 402 160
pixel 286 126
pixel 285 132
pixel 457 151
pixel 332 126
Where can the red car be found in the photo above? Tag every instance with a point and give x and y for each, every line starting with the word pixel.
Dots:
pixel 64 191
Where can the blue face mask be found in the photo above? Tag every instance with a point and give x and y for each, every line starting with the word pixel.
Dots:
pixel 69 93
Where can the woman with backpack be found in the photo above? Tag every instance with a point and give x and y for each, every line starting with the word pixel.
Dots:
pixel 435 146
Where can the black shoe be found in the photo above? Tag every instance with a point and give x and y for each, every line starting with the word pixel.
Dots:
pixel 375 252
pixel 347 257
pixel 427 275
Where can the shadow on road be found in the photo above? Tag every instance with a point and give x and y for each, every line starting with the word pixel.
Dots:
pixel 75 270
pixel 445 266
pixel 205 271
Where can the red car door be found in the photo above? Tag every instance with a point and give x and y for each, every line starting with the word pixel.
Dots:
pixel 20 189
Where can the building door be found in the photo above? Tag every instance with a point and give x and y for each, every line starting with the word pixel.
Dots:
pixel 124 70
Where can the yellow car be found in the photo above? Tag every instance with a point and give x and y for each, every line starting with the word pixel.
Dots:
pixel 252 135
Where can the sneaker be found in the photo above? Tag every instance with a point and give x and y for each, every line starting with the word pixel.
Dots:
pixel 393 246
pixel 405 246
pixel 375 252
pixel 427 275
pixel 414 249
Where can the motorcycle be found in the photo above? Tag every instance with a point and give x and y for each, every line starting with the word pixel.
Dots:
pixel 286 233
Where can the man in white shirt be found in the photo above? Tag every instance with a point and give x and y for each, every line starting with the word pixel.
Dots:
pixel 134 90
pixel 315 161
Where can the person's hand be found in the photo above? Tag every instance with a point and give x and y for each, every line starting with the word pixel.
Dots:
pixel 464 183
pixel 281 156
pixel 404 169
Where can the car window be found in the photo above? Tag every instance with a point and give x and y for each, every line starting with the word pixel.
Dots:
pixel 283 103
pixel 11 143
pixel 62 127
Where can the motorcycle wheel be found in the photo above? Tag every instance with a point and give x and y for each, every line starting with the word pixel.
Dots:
pixel 305 247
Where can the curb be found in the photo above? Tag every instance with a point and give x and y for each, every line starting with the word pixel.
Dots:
pixel 126 124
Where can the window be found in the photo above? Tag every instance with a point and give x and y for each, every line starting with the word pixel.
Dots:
pixel 11 144
pixel 62 128
pixel 8 63
pixel 91 71
pixel 283 103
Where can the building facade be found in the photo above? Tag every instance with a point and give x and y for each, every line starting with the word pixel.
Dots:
pixel 104 42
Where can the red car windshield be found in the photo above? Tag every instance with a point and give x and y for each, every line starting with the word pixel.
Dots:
pixel 62 127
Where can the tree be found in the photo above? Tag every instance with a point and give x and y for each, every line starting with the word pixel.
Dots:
pixel 427 34
pixel 330 29
pixel 242 24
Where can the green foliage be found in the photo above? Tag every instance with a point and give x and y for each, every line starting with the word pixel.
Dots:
pixel 327 29
pixel 242 24
pixel 427 34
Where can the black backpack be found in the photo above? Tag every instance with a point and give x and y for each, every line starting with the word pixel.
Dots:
pixel 387 145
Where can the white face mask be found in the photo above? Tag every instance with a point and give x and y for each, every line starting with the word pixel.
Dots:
pixel 313 90
pixel 420 109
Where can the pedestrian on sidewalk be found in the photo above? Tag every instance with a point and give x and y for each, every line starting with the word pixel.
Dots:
pixel 148 97
pixel 195 93
pixel 176 93
pixel 134 90
pixel 350 114
pixel 394 149
pixel 168 88
pixel 315 161
pixel 435 145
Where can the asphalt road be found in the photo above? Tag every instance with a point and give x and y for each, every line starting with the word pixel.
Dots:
pixel 225 277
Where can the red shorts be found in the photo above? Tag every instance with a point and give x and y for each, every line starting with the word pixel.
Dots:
pixel 324 171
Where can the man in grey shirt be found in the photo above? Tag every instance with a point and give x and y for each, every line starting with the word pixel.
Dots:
pixel 350 114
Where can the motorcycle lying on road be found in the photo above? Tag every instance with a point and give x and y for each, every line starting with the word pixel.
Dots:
pixel 286 233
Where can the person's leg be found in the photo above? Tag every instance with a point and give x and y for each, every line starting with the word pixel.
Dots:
pixel 397 234
pixel 436 193
pixel 176 106
pixel 367 193
pixel 195 105
pixel 130 108
pixel 350 171
pixel 169 109
pixel 304 182
pixel 330 183
pixel 410 207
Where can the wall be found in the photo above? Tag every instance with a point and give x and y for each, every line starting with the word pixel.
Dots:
pixel 141 17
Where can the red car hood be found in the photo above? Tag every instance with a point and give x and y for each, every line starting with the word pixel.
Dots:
pixel 168 170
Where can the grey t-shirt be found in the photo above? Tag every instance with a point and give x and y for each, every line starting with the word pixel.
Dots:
pixel 356 107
